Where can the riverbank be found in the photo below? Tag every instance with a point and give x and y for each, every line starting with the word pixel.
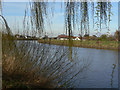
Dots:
pixel 110 45
pixel 26 39
pixel 16 75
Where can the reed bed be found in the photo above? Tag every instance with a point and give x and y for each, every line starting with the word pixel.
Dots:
pixel 29 64
pixel 32 64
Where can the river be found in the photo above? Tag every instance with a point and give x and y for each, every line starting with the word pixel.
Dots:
pixel 102 71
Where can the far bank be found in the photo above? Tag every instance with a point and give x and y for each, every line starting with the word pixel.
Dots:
pixel 109 45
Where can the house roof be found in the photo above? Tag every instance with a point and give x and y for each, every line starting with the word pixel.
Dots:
pixel 65 36
pixel 62 36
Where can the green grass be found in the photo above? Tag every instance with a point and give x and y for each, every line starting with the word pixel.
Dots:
pixel 85 44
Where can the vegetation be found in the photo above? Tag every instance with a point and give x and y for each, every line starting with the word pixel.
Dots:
pixel 103 44
pixel 32 65
pixel 75 13
pixel 116 35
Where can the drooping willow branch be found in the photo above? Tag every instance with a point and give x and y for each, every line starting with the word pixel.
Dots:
pixel 0 7
pixel 103 14
pixel 84 17
pixel 38 11
pixel 74 12
pixel 6 25
pixel 109 14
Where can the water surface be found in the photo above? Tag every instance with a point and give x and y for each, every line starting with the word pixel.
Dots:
pixel 102 69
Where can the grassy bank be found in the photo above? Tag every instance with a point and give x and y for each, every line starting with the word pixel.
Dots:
pixel 26 39
pixel 112 45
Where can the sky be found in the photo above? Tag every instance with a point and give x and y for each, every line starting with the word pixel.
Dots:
pixel 54 25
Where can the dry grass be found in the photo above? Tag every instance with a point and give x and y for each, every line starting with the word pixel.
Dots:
pixel 30 64
pixel 113 45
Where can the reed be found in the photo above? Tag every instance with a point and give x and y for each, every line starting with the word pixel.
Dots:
pixel 28 64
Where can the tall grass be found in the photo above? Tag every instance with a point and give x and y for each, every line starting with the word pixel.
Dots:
pixel 30 64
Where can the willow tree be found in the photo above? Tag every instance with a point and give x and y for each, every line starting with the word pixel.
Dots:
pixel 0 7
pixel 101 14
pixel 38 14
pixel 75 12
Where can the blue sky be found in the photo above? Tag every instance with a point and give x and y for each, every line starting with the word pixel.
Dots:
pixel 14 14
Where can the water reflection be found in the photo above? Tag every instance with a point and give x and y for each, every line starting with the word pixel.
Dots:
pixel 59 64
pixel 112 75
pixel 87 68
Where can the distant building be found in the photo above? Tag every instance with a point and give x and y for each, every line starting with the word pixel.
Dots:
pixel 65 37
pixel 45 37
pixel 52 38
pixel 25 37
pixel 17 36
pixel 77 38
pixel 40 37
pixel 62 37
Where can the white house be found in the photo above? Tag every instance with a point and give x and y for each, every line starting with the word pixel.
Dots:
pixel 62 37
pixel 77 38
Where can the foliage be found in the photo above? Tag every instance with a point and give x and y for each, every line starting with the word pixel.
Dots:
pixel 76 13
pixel 103 13
pixel 27 64
pixel 38 11
pixel 0 7
pixel 33 64
pixel 86 35
pixel 93 43
pixel 103 37
pixel 116 35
